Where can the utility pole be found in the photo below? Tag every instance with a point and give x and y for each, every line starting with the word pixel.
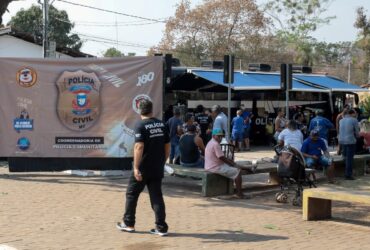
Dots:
pixel 349 72
pixel 228 78
pixel 45 42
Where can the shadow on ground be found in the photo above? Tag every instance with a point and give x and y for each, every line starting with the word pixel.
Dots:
pixel 227 236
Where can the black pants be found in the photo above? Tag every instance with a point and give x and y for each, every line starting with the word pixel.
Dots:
pixel 156 200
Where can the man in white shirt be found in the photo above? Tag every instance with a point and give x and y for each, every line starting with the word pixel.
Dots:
pixel 220 120
pixel 291 136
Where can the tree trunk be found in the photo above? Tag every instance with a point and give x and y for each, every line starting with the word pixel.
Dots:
pixel 3 7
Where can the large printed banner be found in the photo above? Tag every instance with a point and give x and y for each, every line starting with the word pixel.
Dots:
pixel 74 107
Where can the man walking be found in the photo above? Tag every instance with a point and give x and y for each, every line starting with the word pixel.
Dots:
pixel 348 132
pixel 151 151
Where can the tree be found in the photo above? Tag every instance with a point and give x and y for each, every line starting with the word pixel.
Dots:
pixel 295 20
pixel 212 29
pixel 30 21
pixel 363 24
pixel 3 7
pixel 113 52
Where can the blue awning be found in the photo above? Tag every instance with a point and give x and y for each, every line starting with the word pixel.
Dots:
pixel 252 81
pixel 329 83
pixel 274 79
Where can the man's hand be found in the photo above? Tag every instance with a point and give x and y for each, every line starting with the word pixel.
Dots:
pixel 137 175
pixel 315 157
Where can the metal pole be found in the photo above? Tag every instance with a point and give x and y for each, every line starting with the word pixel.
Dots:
pixel 228 106
pixel 349 72
pixel 287 93
pixel 45 42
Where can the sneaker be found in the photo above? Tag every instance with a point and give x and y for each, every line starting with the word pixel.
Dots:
pixel 122 226
pixel 155 231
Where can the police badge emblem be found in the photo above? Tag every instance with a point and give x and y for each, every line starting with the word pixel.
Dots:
pixel 78 104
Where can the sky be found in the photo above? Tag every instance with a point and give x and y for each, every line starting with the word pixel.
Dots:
pixel 101 30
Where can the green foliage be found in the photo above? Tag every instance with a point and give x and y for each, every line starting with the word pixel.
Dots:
pixel 299 17
pixel 366 105
pixel 30 21
pixel 113 52
pixel 295 20
pixel 363 24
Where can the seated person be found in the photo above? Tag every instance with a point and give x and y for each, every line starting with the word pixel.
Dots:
pixel 365 133
pixel 291 136
pixel 216 162
pixel 189 145
pixel 312 149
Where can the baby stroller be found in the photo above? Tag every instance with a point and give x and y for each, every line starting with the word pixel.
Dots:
pixel 292 172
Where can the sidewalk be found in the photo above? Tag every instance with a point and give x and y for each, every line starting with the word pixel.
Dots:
pixel 58 211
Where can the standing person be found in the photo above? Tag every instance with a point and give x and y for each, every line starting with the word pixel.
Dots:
pixel 151 151
pixel 237 130
pixel 322 125
pixel 189 120
pixel 280 123
pixel 204 122
pixel 348 132
pixel 220 120
pixel 340 116
pixel 299 119
pixel 291 136
pixel 174 125
pixel 247 116
pixel 190 145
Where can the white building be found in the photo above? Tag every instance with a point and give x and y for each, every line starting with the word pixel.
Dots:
pixel 19 44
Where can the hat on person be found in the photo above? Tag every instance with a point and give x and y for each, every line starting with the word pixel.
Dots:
pixel 314 132
pixel 217 131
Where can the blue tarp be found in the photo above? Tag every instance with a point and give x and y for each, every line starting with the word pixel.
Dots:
pixel 253 81
pixel 331 83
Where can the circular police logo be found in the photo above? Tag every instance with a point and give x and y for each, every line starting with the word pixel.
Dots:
pixel 136 101
pixel 23 143
pixel 26 77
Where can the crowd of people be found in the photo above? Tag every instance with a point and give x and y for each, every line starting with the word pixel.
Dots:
pixel 190 136
pixel 312 141
pixel 202 134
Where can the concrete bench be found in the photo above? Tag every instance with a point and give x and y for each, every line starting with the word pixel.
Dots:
pixel 265 167
pixel 359 165
pixel 317 202
pixel 215 184
pixel 212 184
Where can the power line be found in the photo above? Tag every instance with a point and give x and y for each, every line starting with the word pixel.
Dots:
pixel 114 12
pixel 104 25
pixel 111 41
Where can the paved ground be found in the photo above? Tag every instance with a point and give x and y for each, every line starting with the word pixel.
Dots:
pixel 57 211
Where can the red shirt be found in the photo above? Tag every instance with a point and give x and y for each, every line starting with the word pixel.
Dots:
pixel 366 136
